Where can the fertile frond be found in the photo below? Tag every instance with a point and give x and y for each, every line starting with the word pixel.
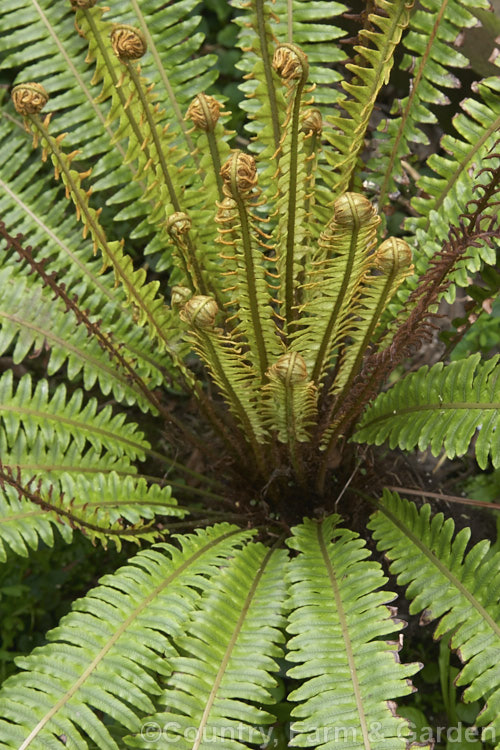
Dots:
pixel 339 621
pixel 433 28
pixel 370 70
pixel 219 690
pixel 56 417
pixel 440 407
pixel 445 582
pixel 104 507
pixel 102 661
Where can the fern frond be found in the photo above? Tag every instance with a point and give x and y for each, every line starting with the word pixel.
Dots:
pixel 25 194
pixel 457 170
pixel 32 320
pixel 289 404
pixel 293 180
pixel 246 262
pixel 264 101
pixel 36 457
pixel 432 28
pixel 237 380
pixel 104 507
pixel 40 40
pixel 174 64
pixel 148 306
pixel 370 70
pixel 134 113
pixel 339 621
pixel 218 691
pixel 67 420
pixel 446 582
pixel 440 408
pixel 101 659
pixel 392 260
pixel 212 150
pixel 312 26
pixel 333 278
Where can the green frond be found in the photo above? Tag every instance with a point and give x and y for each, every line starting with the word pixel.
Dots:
pixel 293 182
pixel 30 319
pixel 149 307
pixel 23 525
pixel 312 26
pixel 370 70
pixel 37 457
pixel 100 661
pixel 392 261
pixel 104 507
pixel 237 380
pixel 25 196
pixel 40 40
pixel 350 674
pixel 440 408
pixel 212 150
pixel 264 102
pixel 219 690
pixel 66 420
pixel 443 194
pixel 332 280
pixel 289 405
pixel 433 27
pixel 249 276
pixel 42 32
pixel 459 588
pixel 174 62
pixel 159 164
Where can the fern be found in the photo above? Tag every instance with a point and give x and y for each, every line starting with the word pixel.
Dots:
pixel 219 692
pixel 447 405
pixel 30 513
pixel 56 416
pixel 370 70
pixel 337 620
pixel 86 649
pixel 431 27
pixel 446 582
pixel 255 327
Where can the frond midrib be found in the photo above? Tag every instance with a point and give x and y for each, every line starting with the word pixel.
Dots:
pixel 227 654
pixel 455 405
pixel 345 636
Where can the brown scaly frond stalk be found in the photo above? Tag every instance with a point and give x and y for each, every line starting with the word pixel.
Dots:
pixel 50 503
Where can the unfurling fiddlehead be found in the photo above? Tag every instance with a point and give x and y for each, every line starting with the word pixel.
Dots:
pixel 29 98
